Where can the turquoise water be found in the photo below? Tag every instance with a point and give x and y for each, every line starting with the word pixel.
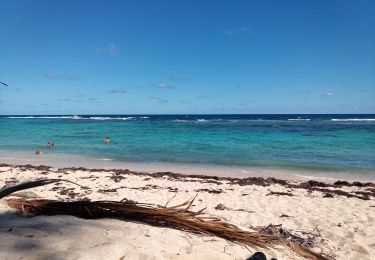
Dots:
pixel 329 142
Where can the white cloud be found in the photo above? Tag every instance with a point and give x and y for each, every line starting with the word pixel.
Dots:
pixel 335 82
pixel 160 100
pixel 163 86
pixel 240 31
pixel 64 99
pixel 52 76
pixel 203 97
pixel 329 94
pixel 178 79
pixel 117 90
pixel 207 96
pixel 110 49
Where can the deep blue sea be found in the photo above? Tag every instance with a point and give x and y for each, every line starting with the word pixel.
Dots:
pixel 322 142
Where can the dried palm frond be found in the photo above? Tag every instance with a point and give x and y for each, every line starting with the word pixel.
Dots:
pixel 179 217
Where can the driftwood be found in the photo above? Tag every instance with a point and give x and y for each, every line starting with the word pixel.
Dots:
pixel 179 217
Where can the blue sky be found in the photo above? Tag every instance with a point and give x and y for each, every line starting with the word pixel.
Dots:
pixel 125 57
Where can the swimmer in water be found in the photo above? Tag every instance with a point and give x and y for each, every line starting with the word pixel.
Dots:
pixel 50 144
pixel 107 140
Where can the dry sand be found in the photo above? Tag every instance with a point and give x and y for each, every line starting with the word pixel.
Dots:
pixel 344 226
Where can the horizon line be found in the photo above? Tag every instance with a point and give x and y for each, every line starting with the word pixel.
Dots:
pixel 175 114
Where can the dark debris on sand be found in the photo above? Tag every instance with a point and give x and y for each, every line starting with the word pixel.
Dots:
pixel 328 189
pixel 311 239
pixel 218 191
pixel 280 193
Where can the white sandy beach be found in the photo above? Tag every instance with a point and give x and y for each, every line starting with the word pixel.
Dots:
pixel 343 225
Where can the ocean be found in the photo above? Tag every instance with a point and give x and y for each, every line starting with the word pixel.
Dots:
pixel 329 145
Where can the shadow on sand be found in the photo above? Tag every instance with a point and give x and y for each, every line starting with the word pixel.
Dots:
pixel 42 237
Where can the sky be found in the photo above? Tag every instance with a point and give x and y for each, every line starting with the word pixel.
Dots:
pixel 187 57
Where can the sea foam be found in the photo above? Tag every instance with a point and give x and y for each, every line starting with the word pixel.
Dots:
pixel 299 119
pixel 353 119
pixel 110 118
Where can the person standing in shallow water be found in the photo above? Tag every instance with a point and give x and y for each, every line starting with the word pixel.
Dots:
pixel 50 144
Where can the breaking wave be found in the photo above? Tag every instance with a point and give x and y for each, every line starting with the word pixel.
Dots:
pixel 354 120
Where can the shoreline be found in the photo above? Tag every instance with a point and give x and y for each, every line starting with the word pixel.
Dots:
pixel 61 160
